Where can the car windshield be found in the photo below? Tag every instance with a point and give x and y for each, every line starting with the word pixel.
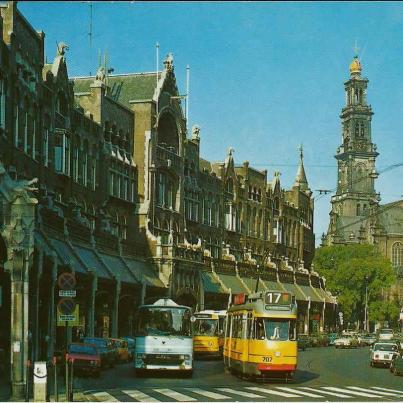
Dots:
pixel 164 321
pixel 385 347
pixel 386 331
pixel 205 327
pixel 98 342
pixel 82 349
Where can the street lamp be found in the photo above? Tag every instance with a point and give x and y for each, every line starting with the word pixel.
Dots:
pixel 366 305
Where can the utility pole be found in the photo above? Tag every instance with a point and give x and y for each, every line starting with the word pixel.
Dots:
pixel 366 305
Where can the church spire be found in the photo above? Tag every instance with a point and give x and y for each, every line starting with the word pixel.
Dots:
pixel 300 180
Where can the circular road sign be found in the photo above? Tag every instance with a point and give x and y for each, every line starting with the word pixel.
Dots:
pixel 67 281
pixel 66 306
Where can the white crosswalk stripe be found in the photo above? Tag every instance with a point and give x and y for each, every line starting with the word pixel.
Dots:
pixel 372 391
pixel 240 393
pixel 300 392
pixel 326 392
pixel 388 390
pixel 352 392
pixel 232 394
pixel 175 395
pixel 103 397
pixel 271 391
pixel 206 393
pixel 139 396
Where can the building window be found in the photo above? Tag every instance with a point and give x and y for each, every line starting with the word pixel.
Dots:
pixel 161 189
pixel 46 147
pixel 75 164
pixel 397 254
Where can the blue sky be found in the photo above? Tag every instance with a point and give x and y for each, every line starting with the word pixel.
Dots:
pixel 264 77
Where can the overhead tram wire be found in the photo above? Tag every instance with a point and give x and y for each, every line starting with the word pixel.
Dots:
pixel 388 168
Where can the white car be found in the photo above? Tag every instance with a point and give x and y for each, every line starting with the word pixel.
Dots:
pixel 346 342
pixel 385 334
pixel 382 353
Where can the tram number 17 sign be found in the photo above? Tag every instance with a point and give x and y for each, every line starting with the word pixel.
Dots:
pixel 278 298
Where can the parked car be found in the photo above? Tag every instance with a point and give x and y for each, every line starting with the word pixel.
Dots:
pixel 396 366
pixel 332 338
pixel 86 358
pixel 382 353
pixel 323 340
pixel 131 344
pixel 346 342
pixel 122 350
pixel 107 351
pixel 398 341
pixel 368 339
pixel 385 334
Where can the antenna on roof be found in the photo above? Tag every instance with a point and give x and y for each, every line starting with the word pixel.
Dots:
pixel 157 49
pixel 187 94
pixel 90 34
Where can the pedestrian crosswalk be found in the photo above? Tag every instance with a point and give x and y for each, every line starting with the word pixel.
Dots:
pixel 246 393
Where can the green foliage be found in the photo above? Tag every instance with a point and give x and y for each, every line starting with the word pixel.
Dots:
pixel 347 269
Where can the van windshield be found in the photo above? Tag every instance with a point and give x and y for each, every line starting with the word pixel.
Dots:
pixel 164 321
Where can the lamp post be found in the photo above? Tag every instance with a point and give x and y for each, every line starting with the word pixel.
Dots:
pixel 366 305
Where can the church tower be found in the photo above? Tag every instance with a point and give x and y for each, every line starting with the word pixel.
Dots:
pixel 355 196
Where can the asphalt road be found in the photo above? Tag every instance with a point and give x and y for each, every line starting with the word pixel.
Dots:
pixel 327 373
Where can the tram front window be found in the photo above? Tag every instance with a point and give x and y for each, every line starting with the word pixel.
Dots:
pixel 205 327
pixel 275 329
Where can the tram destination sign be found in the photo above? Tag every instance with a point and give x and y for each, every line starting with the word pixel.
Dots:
pixel 277 298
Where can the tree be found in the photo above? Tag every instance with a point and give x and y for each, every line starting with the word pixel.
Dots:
pixel 348 270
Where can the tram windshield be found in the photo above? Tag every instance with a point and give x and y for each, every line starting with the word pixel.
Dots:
pixel 205 327
pixel 275 329
pixel 164 321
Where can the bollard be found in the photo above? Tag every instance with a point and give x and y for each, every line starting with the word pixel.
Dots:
pixel 71 381
pixel 55 388
pixel 67 378
pixel 40 381
pixel 27 381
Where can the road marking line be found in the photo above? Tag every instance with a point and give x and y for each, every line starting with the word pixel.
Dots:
pixel 389 390
pixel 372 391
pixel 351 392
pixel 239 392
pixel 271 391
pixel 212 395
pixel 105 396
pixel 175 395
pixel 140 396
pixel 326 392
pixel 298 391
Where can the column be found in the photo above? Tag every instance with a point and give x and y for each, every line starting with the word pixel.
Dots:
pixel 35 335
pixel 322 318
pixel 143 291
pixel 201 291
pixel 115 309
pixel 52 316
pixel 91 307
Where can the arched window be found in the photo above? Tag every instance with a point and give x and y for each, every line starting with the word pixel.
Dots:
pixel 229 186
pixel 397 254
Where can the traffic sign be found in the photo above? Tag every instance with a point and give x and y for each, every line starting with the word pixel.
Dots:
pixel 66 281
pixel 66 306
pixel 69 320
pixel 340 314
pixel 67 293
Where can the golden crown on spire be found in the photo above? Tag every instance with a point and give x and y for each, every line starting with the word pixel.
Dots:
pixel 355 66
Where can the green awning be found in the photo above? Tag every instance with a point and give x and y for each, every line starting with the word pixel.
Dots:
pixel 92 262
pixel 294 290
pixel 116 264
pixel 233 283
pixel 144 271
pixel 310 293
pixel 325 295
pixel 251 284
pixel 210 284
pixel 273 285
pixel 66 255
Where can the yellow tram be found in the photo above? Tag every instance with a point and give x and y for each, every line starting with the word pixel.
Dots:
pixel 208 336
pixel 260 335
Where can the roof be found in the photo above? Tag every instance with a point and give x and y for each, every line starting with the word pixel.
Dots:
pixel 123 87
pixel 391 218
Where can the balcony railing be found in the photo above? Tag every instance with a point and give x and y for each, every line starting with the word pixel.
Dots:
pixel 167 157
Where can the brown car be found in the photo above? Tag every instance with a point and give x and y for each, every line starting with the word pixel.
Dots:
pixel 85 358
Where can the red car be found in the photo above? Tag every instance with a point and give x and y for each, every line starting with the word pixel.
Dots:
pixel 85 358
